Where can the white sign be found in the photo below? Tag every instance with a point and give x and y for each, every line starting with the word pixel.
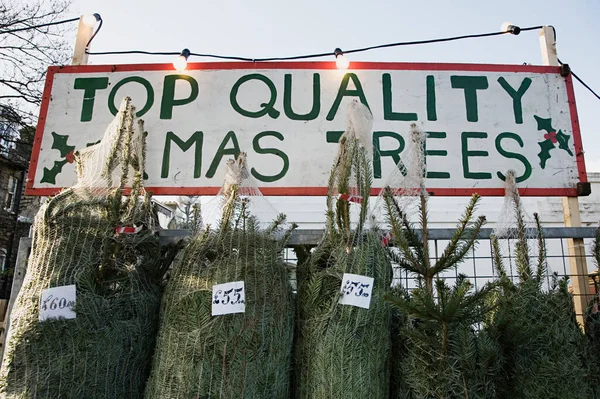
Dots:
pixel 58 302
pixel 480 121
pixel 356 290
pixel 228 298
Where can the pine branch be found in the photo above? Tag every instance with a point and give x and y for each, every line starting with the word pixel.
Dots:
pixel 461 228
pixel 429 273
pixel 400 226
pixel 497 259
pixel 542 265
pixel 521 247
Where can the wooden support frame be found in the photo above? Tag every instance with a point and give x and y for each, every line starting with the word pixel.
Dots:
pixel 576 247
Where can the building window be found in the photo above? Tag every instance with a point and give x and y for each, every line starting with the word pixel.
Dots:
pixel 8 138
pixel 2 259
pixel 11 194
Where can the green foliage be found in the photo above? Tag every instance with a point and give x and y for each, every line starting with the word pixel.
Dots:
pixel 542 346
pixel 342 351
pixel 592 321
pixel 105 351
pixel 438 351
pixel 240 355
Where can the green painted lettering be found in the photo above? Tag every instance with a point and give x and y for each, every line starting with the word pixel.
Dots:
pixel 395 153
pixel 514 155
pixel 168 98
pixel 274 151
pixel 333 136
pixel 466 153
pixel 517 96
pixel 195 139
pixel 436 153
pixel 470 85
pixel 89 87
pixel 149 94
pixel 388 114
pixel 266 108
pixel 431 107
pixel 343 91
pixel 222 151
pixel 287 99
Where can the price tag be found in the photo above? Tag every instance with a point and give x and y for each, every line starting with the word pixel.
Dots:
pixel 228 298
pixel 58 302
pixel 356 290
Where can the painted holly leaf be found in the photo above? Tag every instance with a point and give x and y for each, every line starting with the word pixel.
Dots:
pixel 91 144
pixel 67 152
pixel 544 124
pixel 551 137
pixel 60 143
pixel 50 174
pixel 544 154
pixel 563 142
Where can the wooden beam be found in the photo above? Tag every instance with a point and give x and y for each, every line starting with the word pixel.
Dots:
pixel 577 261
pixel 84 33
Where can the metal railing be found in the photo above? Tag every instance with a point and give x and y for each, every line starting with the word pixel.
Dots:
pixel 478 265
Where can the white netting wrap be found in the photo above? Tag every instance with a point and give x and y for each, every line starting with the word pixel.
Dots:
pixel 407 181
pixel 341 348
pixel 239 185
pixel 92 237
pixel 227 315
pixel 360 125
pixel 351 173
pixel 115 159
pixel 514 219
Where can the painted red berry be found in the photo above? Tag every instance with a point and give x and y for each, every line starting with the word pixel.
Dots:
pixel 551 136
pixel 70 157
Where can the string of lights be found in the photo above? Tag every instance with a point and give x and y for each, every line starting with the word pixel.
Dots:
pixel 342 61
pixel 508 28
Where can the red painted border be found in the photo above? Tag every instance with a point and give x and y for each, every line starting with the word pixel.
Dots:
pixel 579 154
pixel 312 191
pixel 39 132
pixel 405 66
pixel 322 191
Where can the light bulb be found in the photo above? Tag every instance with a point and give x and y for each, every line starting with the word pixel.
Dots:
pixel 510 28
pixel 180 62
pixel 340 60
pixel 90 19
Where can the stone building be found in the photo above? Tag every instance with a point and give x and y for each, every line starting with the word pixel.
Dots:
pixel 16 211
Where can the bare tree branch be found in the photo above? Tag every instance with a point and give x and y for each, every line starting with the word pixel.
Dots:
pixel 26 54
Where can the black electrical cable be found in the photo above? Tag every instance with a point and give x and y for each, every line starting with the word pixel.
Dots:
pixel 98 18
pixel 39 26
pixel 296 57
pixel 317 55
pixel 581 81
pixel 585 85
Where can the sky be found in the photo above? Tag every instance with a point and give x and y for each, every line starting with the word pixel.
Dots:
pixel 262 28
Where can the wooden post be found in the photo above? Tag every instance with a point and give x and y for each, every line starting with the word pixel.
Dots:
pixel 577 261
pixel 84 33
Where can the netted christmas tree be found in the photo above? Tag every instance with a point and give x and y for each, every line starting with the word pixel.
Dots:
pixel 227 317
pixel 343 323
pixel 541 343
pixel 592 323
pixel 438 351
pixel 98 245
